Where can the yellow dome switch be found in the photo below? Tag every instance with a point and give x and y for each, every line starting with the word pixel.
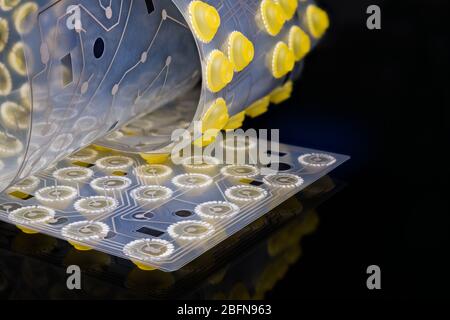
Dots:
pixel 235 121
pixel 299 43
pixel 4 33
pixel 283 93
pixel 214 120
pixel 205 20
pixel 259 107
pixel 283 60
pixel 79 246
pixel 206 139
pixel 240 51
pixel 289 7
pixel 216 117
pixel 317 21
pixel 273 17
pixel 219 71
pixel 100 148
pixel 27 230
pixel 142 266
pixel 155 158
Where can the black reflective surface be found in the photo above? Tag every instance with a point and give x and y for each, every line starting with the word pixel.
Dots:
pixel 383 98
pixel 248 265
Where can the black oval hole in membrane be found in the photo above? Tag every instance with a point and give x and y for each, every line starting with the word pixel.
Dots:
pixel 280 166
pixel 99 48
pixel 143 215
pixel 183 213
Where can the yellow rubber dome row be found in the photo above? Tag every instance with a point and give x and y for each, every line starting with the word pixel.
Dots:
pixel 220 68
pixel 277 96
pixel 205 21
pixel 317 21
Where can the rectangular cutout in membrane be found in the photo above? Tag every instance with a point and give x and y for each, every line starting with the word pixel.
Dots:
pixel 150 232
pixel 83 164
pixel 21 195
pixel 67 71
pixel 150 6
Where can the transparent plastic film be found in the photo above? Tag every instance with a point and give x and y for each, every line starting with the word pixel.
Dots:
pixel 92 91
pixel 159 216
pixel 250 53
pixel 72 72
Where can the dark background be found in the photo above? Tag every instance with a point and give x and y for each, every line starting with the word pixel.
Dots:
pixel 382 97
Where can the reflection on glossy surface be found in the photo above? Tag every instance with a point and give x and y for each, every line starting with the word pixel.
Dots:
pixel 246 266
pixel 91 261
pixel 38 244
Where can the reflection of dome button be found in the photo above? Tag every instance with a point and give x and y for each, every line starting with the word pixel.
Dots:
pixel 317 20
pixel 219 71
pixel 299 43
pixel 205 20
pixel 240 51
pixel 283 60
pixel 273 17
pixel 289 7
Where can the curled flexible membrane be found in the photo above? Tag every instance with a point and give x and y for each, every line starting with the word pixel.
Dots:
pixel 124 74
